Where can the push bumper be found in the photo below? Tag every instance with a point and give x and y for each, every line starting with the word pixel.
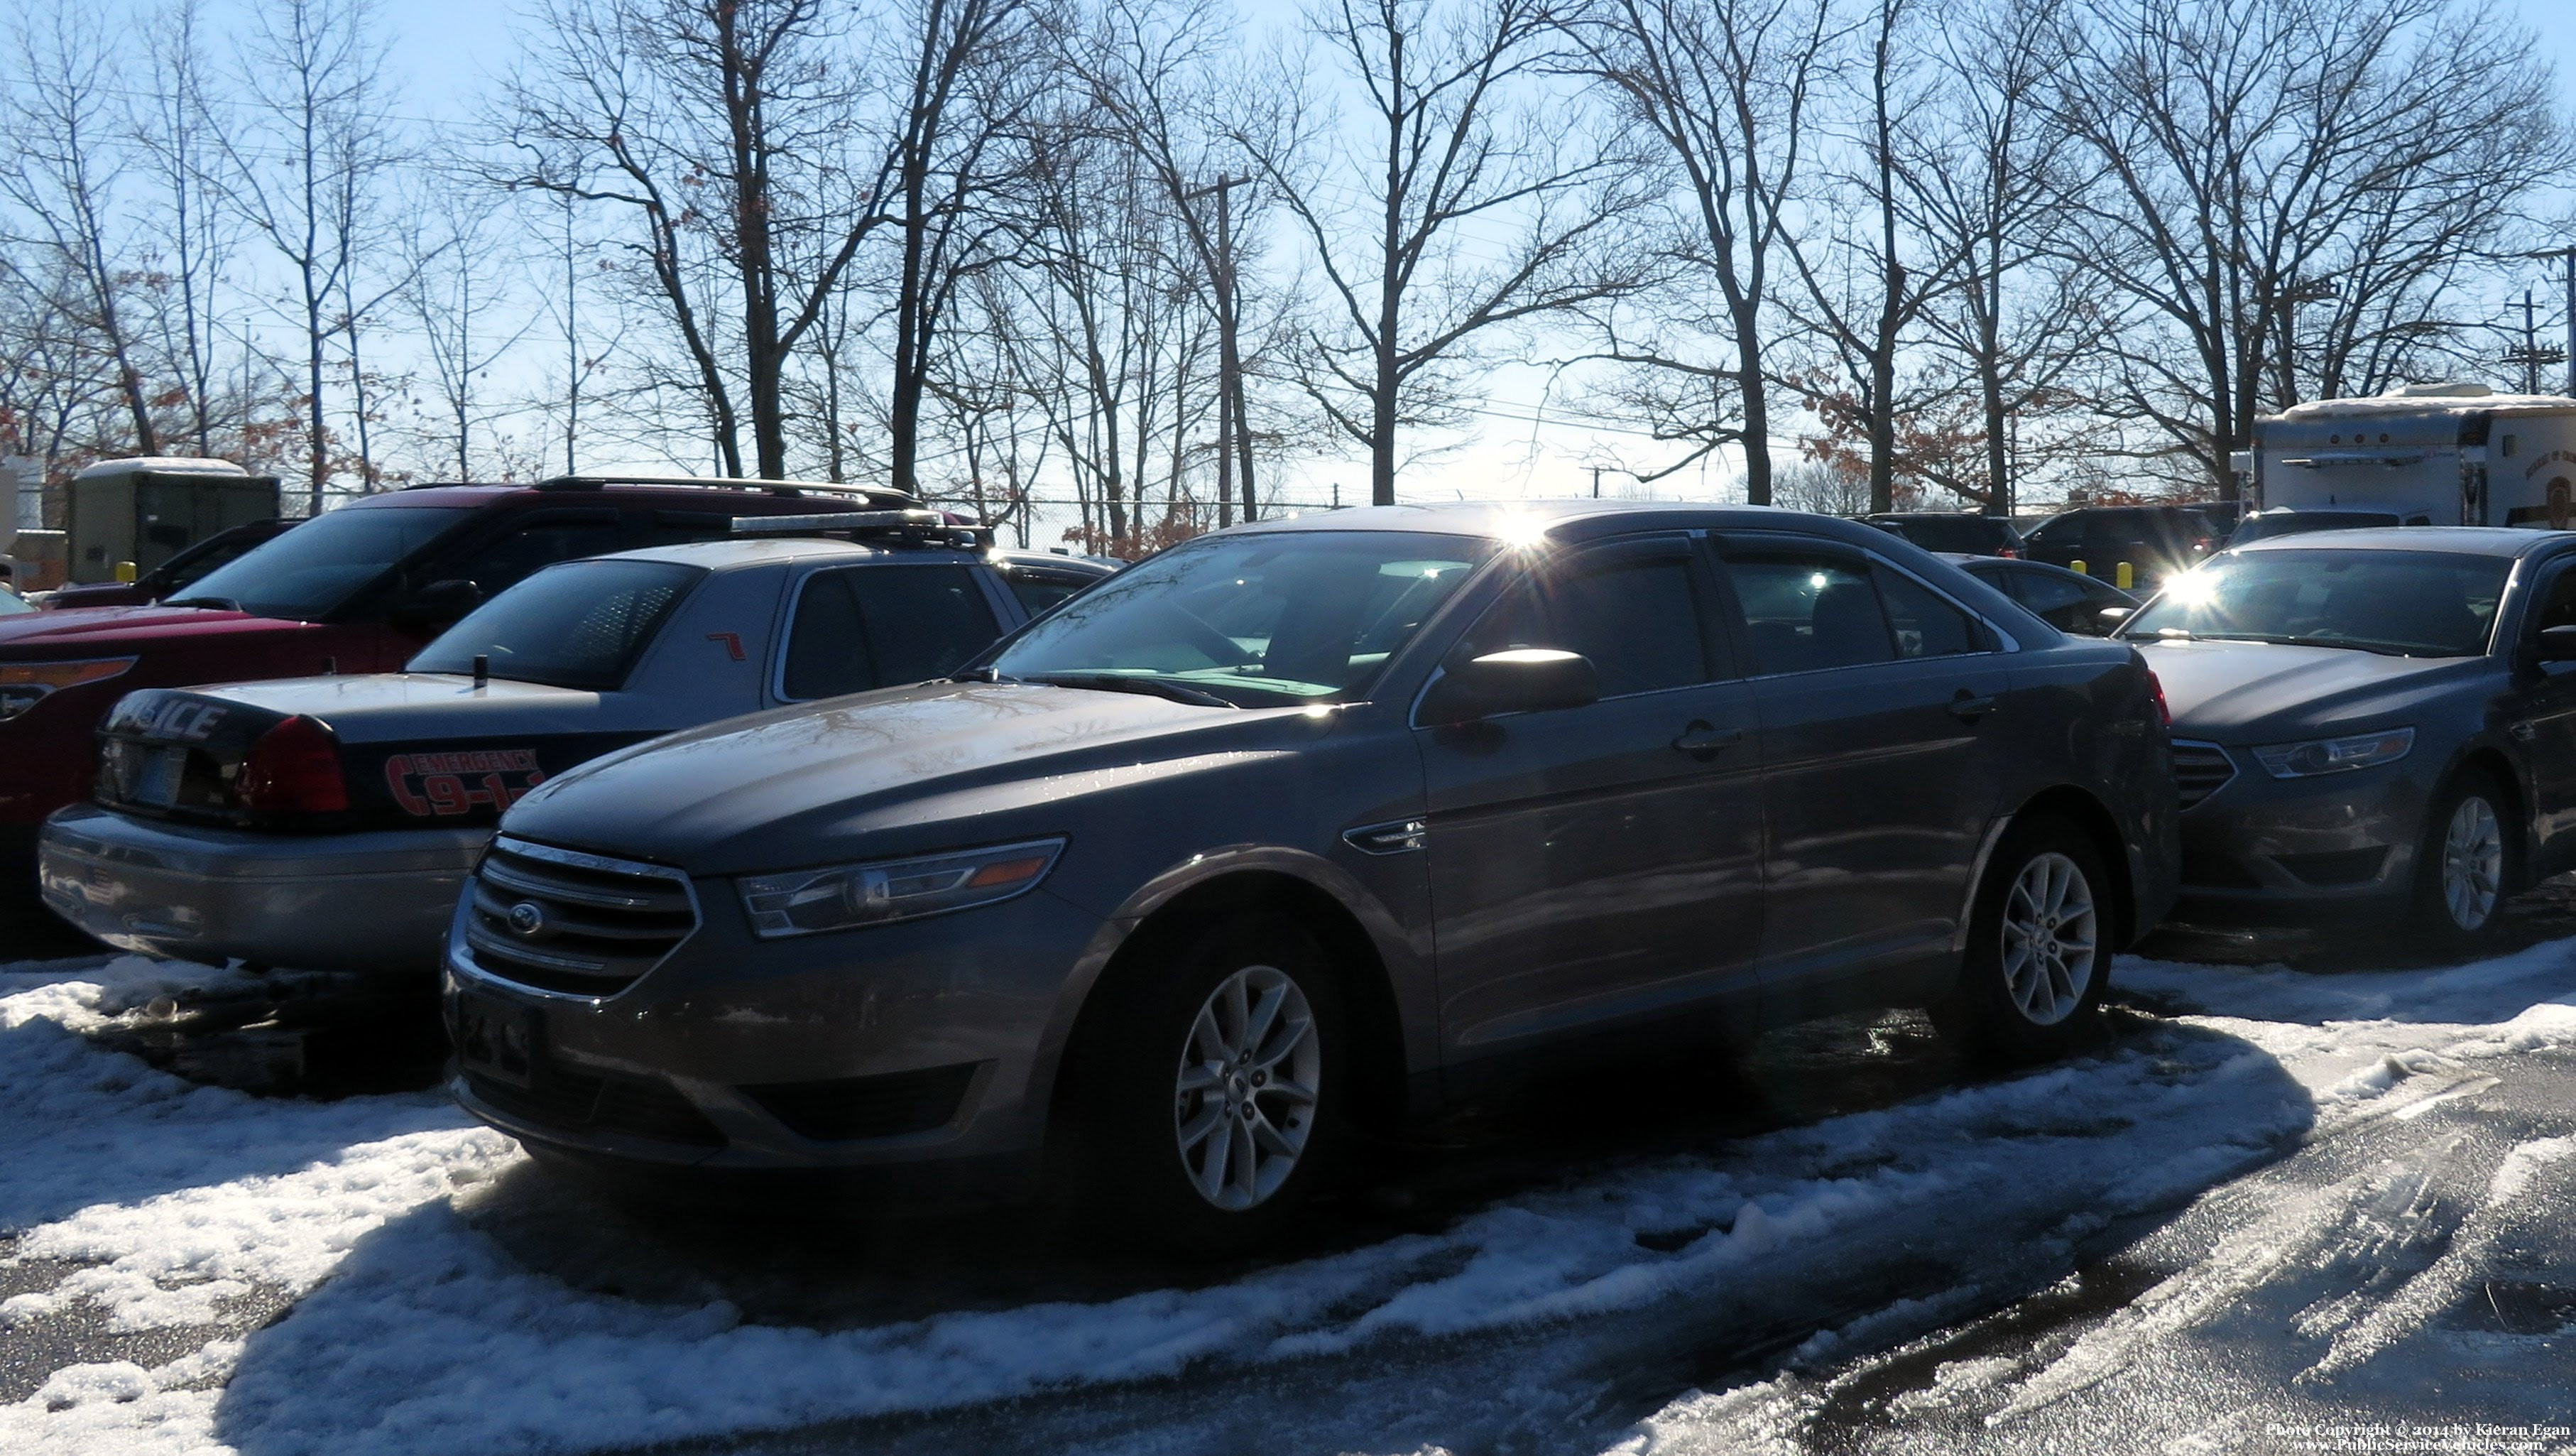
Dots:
pixel 374 902
pixel 2335 850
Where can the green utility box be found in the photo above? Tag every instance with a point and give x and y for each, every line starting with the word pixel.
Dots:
pixel 147 510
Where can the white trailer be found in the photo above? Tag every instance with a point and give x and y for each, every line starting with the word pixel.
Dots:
pixel 2453 454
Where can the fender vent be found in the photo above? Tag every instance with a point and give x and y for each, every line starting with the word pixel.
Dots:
pixel 2200 769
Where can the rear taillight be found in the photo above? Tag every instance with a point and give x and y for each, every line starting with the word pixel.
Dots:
pixel 2009 553
pixel 294 768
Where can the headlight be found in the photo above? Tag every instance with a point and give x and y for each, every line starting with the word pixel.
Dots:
pixel 803 902
pixel 2335 755
pixel 25 684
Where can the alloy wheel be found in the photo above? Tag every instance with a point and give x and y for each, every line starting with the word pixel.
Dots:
pixel 2472 863
pixel 1244 1102
pixel 2050 939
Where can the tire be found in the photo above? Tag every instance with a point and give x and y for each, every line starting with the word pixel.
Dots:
pixel 2470 859
pixel 2039 948
pixel 1188 1140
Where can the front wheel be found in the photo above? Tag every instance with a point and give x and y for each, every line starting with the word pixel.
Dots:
pixel 2039 948
pixel 2466 865
pixel 1214 1082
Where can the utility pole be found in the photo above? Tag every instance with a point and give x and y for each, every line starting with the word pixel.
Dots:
pixel 2531 355
pixel 2566 256
pixel 1233 437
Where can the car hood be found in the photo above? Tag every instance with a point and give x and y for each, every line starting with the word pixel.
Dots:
pixel 798 785
pixel 2244 691
pixel 74 631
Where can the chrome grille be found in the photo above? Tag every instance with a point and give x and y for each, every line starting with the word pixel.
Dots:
pixel 582 924
pixel 2200 769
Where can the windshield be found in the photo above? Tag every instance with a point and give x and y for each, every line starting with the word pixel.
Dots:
pixel 578 625
pixel 2291 523
pixel 1256 619
pixel 11 603
pixel 308 572
pixel 2412 603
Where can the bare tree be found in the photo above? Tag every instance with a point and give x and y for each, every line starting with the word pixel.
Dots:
pixel 62 183
pixel 1725 86
pixel 1482 203
pixel 190 233
pixel 2257 157
pixel 1156 70
pixel 458 276
pixel 303 174
pixel 1869 275
pixel 1983 175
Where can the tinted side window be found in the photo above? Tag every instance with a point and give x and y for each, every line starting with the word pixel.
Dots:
pixel 1639 620
pixel 2044 592
pixel 881 626
pixel 1036 593
pixel 827 654
pixel 1926 626
pixel 921 621
pixel 496 566
pixel 1809 612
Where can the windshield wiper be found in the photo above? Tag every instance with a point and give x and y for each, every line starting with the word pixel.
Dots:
pixel 2285 639
pixel 1110 682
pixel 221 604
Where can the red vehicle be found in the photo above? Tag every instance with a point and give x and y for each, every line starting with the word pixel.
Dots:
pixel 358 589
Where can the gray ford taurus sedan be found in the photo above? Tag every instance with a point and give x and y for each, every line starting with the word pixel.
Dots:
pixel 1304 825
pixel 2374 725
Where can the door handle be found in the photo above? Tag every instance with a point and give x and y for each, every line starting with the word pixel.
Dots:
pixel 1968 707
pixel 1703 742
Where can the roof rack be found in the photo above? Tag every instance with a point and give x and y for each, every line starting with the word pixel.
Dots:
pixel 869 494
pixel 913 527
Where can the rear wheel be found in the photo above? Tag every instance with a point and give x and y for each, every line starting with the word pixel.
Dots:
pixel 2467 863
pixel 2039 947
pixel 1213 1082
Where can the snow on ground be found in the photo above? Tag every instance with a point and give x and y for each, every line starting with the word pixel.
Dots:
pixel 2314 1292
pixel 413 1329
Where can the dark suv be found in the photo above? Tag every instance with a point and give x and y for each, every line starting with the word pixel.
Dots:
pixel 2154 541
pixel 1299 826
pixel 1953 532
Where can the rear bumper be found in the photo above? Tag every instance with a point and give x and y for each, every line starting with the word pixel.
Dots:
pixel 376 902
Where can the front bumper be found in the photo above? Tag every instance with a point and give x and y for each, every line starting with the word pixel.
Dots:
pixel 375 902
pixel 923 1050
pixel 2337 849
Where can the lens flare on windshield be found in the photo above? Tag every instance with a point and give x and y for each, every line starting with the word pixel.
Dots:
pixel 2191 588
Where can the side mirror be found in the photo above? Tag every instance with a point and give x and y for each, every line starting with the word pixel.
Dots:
pixel 2558 644
pixel 1521 680
pixel 439 604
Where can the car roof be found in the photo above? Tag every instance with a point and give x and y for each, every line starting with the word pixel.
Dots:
pixel 1570 520
pixel 1935 516
pixel 2504 541
pixel 1976 565
pixel 729 555
pixel 745 499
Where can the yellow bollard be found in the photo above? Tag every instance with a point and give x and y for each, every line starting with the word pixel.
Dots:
pixel 2124 578
pixel 2077 566
pixel 125 572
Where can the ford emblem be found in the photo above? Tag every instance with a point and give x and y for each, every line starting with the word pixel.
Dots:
pixel 526 918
